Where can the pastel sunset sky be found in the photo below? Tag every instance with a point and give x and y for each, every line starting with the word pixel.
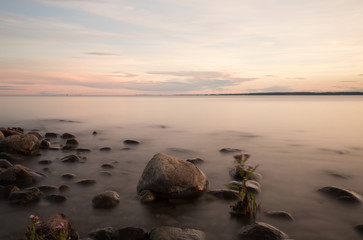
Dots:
pixel 111 47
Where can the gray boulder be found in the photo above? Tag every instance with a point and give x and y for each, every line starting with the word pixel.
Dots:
pixel 169 177
pixel 19 175
pixel 25 196
pixel 174 233
pixel 27 144
pixel 261 230
pixel 342 194
pixel 107 199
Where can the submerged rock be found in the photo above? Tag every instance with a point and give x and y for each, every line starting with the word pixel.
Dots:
pixel 105 149
pixel 131 142
pixel 261 230
pixel 67 136
pixel 101 233
pixel 25 196
pixel 36 134
pixel 165 232
pixel 280 215
pixel 19 175
pixel 196 160
pixel 6 191
pixel 10 132
pixel 107 199
pixel 230 150
pixel 10 157
pixel 71 159
pixel 21 144
pixel 226 194
pixel 72 142
pixel 359 228
pixel 5 164
pixel 86 182
pixel 341 194
pixel 130 233
pixel 51 135
pixel 68 176
pixel 147 196
pixel 1 135
pixel 55 198
pixel 45 162
pixel 47 188
pixel 169 177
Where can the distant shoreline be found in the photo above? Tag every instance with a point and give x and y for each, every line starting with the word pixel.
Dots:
pixel 206 94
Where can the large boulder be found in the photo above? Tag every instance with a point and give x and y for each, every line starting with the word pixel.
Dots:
pixel 174 233
pixel 19 175
pixel 169 177
pixel 261 230
pixel 27 144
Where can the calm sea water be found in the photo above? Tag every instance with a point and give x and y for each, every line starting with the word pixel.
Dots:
pixel 298 141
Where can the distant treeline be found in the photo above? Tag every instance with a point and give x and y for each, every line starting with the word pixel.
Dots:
pixel 295 93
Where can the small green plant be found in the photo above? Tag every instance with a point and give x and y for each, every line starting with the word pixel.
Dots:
pixel 35 231
pixel 246 203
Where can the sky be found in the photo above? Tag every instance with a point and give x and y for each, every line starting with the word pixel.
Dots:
pixel 132 47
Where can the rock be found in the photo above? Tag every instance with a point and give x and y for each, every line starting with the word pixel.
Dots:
pixel 5 164
pixel 107 199
pixel 10 157
pixel 94 133
pixel 230 150
pixel 25 196
pixel 359 228
pixel 130 233
pixel 21 144
pixel 71 159
pixel 196 160
pixel 107 166
pixel 10 132
pixel 6 191
pixel 174 233
pixel 279 215
pixel 36 134
pixel 102 233
pixel 341 194
pixel 68 176
pixel 54 148
pixel 1 135
pixel 83 150
pixel 72 142
pixel 63 187
pixel 45 162
pixel 147 196
pixel 56 223
pixel 106 173
pixel 105 149
pixel 47 188
pixel 55 198
pixel 261 230
pixel 225 194
pixel 131 142
pixel 252 186
pixel 51 135
pixel 68 148
pixel 19 175
pixel 169 177
pixel 86 182
pixel 67 136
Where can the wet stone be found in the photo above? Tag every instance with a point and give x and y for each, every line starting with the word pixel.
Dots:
pixel 72 142
pixel 47 188
pixel 51 135
pixel 130 233
pixel 341 194
pixel 36 134
pixel 131 142
pixel 86 182
pixel 83 150
pixel 261 230
pixel 106 173
pixel 105 149
pixel 25 196
pixel 101 233
pixel 68 148
pixel 196 160
pixel 229 150
pixel 94 133
pixel 107 166
pixel 55 198
pixel 107 199
pixel 71 159
pixel 6 191
pixel 67 136
pixel 10 132
pixel 280 215
pixel 5 164
pixel 225 194
pixel 68 176
pixel 45 162
pixel 63 187
pixel 359 229
pixel 44 144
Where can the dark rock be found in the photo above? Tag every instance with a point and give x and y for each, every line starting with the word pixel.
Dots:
pixel 51 135
pixel 67 136
pixel 174 233
pixel 47 188
pixel 10 132
pixel 25 196
pixel 5 164
pixel 280 215
pixel 105 149
pixel 261 230
pixel 130 233
pixel 107 166
pixel 107 199
pixel 196 160
pixel 56 223
pixel 1 135
pixel 19 175
pixel 71 159
pixel 72 142
pixel 10 157
pixel 68 148
pixel 169 177
pixel 337 175
pixel 21 144
pixel 36 134
pixel 44 144
pixel 55 198
pixel 45 162
pixel 68 176
pixel 230 150
pixel 94 133
pixel 83 150
pixel 359 228
pixel 341 194
pixel 63 187
pixel 54 148
pixel 146 196
pixel 6 191
pixel 86 182
pixel 126 149
pixel 101 233
pixel 225 194
pixel 47 170
pixel 106 173
pixel 131 142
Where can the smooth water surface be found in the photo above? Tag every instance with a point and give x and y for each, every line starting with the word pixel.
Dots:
pixel 300 142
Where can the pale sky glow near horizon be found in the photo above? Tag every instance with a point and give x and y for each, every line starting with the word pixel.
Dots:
pixel 128 47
